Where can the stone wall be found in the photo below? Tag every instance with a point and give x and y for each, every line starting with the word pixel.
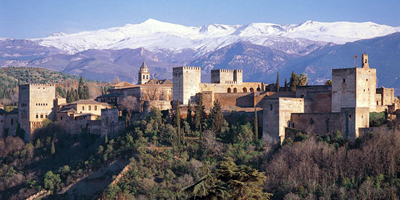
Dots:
pixel 317 99
pixel 276 116
pixel 109 121
pixel 318 123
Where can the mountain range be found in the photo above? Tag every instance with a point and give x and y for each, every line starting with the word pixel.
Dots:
pixel 260 49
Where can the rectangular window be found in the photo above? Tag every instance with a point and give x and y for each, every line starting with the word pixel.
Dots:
pixel 41 116
pixel 95 107
pixel 37 116
pixel 90 107
pixel 83 107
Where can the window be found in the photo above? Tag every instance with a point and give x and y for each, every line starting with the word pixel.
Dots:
pixel 41 116
pixel 235 90
pixel 344 80
pixel 90 107
pixel 37 116
pixel 270 107
pixel 83 107
pixel 366 61
pixel 12 121
pixel 95 107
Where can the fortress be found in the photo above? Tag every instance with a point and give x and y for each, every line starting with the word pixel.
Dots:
pixel 344 106
pixel 320 109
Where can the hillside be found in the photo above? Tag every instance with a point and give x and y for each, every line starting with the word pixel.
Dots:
pixel 12 76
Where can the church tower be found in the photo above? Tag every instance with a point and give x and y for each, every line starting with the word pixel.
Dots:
pixel 144 74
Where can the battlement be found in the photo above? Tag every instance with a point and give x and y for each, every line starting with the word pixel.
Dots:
pixel 187 68
pixel 38 85
pixel 227 76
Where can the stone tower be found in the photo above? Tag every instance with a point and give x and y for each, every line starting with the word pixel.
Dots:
pixel 144 74
pixel 186 83
pixel 35 104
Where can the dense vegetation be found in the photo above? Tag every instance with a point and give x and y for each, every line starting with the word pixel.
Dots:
pixel 66 84
pixel 204 156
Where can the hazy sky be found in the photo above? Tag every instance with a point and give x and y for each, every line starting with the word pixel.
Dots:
pixel 39 18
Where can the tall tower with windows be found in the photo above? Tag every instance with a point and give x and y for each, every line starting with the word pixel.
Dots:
pixel 144 74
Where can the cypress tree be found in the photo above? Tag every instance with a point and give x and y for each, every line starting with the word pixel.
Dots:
pixel 217 119
pixel 189 118
pixel 178 125
pixel 277 82
pixel 286 85
pixel 200 114
pixel 255 124
pixel 53 148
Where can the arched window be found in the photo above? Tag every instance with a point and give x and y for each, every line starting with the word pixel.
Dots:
pixel 258 89
pixel 234 90
pixel 270 106
pixel 244 89
pixel 229 90
pixel 251 90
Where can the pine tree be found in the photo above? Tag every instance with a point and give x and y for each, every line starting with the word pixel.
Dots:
pixel 277 82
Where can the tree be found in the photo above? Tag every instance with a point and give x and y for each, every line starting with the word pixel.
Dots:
pixel 53 149
pixel 303 79
pixel 189 118
pixel 51 180
pixel 230 181
pixel 328 82
pixel 129 104
pixel 20 132
pixel 294 81
pixel 277 82
pixel 178 125
pixel 217 118
pixel 200 113
pixel 80 88
pixel 286 85
pixel 255 124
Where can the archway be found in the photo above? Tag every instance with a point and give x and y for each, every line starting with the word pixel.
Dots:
pixel 234 90
pixel 251 90
pixel 229 90
pixel 244 90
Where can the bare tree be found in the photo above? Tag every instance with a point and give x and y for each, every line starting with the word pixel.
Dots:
pixel 129 104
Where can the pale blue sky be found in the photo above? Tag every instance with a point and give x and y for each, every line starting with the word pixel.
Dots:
pixel 39 18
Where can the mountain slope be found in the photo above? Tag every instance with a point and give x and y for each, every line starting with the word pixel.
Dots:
pixel 155 35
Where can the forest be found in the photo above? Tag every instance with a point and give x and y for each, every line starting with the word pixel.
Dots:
pixel 204 156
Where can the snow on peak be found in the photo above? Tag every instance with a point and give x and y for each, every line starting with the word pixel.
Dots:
pixel 154 34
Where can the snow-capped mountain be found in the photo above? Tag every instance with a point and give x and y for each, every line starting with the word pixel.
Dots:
pixel 155 35
pixel 259 49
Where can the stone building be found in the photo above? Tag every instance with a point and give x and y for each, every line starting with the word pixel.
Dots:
pixel 344 106
pixel 148 92
pixel 34 106
pixel 225 83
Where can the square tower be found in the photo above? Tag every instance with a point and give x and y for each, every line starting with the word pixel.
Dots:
pixel 186 83
pixel 354 87
pixel 227 76
pixel 35 104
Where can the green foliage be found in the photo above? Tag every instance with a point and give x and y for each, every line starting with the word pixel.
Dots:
pixel 230 181
pixel 20 132
pixel 217 118
pixel 53 149
pixel 377 119
pixel 51 181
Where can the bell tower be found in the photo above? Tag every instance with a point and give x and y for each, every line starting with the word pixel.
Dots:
pixel 144 74
pixel 365 61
